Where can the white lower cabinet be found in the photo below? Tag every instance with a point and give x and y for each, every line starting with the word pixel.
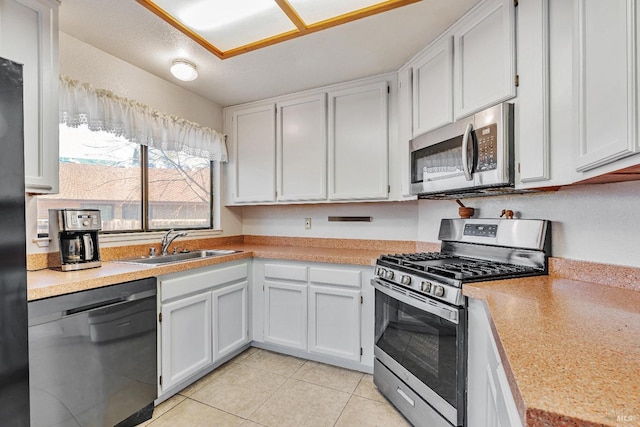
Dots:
pixel 204 318
pixel 315 311
pixel 490 402
pixel 186 338
pixel 334 322
pixel 230 318
pixel 285 314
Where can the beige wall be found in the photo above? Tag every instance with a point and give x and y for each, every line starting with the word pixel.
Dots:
pixel 596 223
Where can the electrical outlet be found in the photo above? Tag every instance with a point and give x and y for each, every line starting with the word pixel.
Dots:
pixel 307 223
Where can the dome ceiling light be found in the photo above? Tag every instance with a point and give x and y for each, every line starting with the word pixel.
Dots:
pixel 228 28
pixel 184 70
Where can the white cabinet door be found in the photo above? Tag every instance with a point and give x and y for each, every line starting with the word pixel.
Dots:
pixel 302 149
pixel 334 322
pixel 186 338
pixel 404 128
pixel 285 314
pixel 490 402
pixel 532 113
pixel 606 86
pixel 358 143
pixel 29 36
pixel 484 61
pixel 433 87
pixel 254 137
pixel 230 319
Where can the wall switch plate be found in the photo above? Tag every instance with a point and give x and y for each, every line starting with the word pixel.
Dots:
pixel 307 223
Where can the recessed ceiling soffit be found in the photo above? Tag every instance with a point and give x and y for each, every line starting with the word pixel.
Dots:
pixel 228 28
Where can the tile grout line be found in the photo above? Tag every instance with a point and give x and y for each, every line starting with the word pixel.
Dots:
pixel 276 390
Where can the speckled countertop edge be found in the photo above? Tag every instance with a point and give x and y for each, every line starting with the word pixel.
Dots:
pixel 47 283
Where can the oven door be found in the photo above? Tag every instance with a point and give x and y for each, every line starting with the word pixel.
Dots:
pixel 422 342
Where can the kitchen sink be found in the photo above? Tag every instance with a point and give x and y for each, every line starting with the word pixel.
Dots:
pixel 179 257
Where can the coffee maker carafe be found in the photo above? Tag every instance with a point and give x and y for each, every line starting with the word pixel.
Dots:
pixel 76 234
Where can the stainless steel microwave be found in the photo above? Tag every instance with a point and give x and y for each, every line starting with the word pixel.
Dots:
pixel 471 155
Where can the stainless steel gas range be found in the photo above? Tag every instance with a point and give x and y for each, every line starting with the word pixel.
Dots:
pixel 420 312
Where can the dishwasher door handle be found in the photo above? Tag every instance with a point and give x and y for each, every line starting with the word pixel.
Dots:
pixel 109 303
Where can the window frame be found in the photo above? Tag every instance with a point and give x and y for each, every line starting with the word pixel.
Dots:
pixel 214 203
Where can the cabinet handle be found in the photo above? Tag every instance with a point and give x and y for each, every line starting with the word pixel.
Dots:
pixel 406 397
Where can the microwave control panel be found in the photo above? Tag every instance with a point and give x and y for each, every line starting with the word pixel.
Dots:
pixel 486 138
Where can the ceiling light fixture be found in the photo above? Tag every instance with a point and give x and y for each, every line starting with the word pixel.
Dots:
pixel 184 70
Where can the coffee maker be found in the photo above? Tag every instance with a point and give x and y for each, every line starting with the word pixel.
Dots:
pixel 75 232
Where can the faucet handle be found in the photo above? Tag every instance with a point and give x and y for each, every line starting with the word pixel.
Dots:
pixel 152 251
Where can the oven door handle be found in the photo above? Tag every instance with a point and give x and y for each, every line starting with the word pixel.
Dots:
pixel 465 157
pixel 433 307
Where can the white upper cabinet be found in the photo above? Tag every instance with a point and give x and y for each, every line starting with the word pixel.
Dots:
pixel 29 36
pixel 322 145
pixel 433 87
pixel 254 147
pixel 405 121
pixel 606 83
pixel 302 149
pixel 358 142
pixel 532 112
pixel 484 57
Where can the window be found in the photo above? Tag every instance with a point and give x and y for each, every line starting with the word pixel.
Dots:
pixel 101 171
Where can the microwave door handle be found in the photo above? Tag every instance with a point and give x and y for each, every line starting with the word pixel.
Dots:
pixel 465 157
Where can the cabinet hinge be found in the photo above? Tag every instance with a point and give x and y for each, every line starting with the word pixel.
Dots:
pixel 388 189
pixel 517 81
pixel 160 317
pixel 518 167
pixel 160 379
pixel 515 3
pixel 360 351
pixel 388 89
pixel 361 299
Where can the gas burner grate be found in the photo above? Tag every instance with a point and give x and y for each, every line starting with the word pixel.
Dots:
pixel 477 269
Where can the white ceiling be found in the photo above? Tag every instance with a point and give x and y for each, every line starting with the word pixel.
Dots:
pixel 373 45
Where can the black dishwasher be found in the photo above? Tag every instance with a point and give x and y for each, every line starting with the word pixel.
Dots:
pixel 92 356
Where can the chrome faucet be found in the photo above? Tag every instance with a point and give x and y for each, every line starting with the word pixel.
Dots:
pixel 166 240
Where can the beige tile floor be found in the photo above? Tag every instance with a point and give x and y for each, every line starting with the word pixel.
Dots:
pixel 261 388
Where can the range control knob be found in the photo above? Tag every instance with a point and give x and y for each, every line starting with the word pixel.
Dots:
pixel 425 286
pixel 438 291
pixel 388 275
pixel 405 280
pixel 85 223
pixel 379 271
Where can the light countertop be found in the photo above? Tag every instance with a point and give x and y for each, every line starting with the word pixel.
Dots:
pixel 50 282
pixel 571 349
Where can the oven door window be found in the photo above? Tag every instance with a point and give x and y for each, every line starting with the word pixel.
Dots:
pixel 423 343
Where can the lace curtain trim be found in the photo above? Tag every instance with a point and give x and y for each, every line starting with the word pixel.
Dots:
pixel 102 110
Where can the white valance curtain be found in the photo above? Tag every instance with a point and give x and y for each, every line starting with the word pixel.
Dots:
pixel 103 110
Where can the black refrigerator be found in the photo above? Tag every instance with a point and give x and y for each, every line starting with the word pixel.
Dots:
pixel 14 347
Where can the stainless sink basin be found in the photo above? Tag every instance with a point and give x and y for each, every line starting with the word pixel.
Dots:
pixel 168 259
